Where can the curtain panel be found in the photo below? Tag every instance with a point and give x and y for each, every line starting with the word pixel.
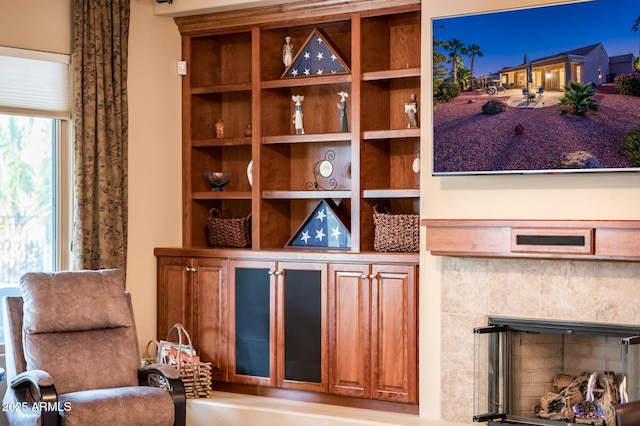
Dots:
pixel 100 53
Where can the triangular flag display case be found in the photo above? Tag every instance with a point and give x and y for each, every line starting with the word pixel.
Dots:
pixel 322 228
pixel 317 56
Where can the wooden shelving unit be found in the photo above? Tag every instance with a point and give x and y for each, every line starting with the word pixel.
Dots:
pixel 235 74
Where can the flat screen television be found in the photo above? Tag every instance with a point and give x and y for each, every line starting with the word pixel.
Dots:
pixel 508 109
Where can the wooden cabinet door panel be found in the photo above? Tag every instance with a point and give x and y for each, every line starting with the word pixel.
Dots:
pixel 349 330
pixel 174 294
pixel 393 333
pixel 211 313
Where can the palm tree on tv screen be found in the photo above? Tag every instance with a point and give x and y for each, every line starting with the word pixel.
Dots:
pixel 456 48
pixel 635 28
pixel 473 50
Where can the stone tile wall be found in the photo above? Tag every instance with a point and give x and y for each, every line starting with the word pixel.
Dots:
pixel 473 289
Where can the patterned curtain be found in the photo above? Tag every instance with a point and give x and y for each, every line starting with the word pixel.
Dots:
pixel 101 34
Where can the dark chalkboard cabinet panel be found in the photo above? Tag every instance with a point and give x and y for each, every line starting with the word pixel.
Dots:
pixel 278 324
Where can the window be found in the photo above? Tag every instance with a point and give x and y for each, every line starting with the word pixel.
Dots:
pixel 34 165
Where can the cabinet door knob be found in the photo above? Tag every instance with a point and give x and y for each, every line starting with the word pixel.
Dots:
pixel 373 276
pixel 364 276
pixel 190 269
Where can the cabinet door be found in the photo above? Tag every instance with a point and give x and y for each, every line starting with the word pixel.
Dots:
pixel 211 313
pixel 302 326
pixel 394 333
pixel 174 294
pixel 349 354
pixel 252 327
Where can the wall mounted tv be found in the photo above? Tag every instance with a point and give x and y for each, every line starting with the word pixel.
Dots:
pixel 549 89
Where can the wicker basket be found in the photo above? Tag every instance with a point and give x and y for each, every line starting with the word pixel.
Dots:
pixel 228 232
pixel 196 375
pixel 395 232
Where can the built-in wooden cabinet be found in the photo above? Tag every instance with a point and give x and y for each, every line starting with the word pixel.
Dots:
pixel 330 323
pixel 265 315
pixel 193 292
pixel 373 331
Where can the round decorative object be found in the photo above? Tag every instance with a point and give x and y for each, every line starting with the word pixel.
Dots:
pixel 217 180
pixel 325 168
pixel 250 172
pixel 416 164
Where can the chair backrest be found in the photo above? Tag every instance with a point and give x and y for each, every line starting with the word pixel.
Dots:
pixel 628 414
pixel 78 326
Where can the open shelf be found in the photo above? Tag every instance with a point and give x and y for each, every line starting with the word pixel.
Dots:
pixel 236 73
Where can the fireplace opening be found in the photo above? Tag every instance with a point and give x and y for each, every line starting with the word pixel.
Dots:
pixel 541 372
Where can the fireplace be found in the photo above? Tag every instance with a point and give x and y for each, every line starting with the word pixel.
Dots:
pixel 543 372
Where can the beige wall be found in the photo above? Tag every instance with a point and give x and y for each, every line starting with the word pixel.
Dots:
pixel 155 179
pixel 36 25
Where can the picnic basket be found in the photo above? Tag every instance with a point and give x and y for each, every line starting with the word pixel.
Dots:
pixel 196 375
pixel 395 232
pixel 228 232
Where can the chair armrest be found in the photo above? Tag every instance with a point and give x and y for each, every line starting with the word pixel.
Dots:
pixel 35 390
pixel 168 377
pixel 38 378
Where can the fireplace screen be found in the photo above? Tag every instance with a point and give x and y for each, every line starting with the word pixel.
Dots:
pixel 554 373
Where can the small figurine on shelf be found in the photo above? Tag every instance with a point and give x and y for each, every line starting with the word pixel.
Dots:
pixel 247 130
pixel 342 112
pixel 297 115
pixel 287 51
pixel 219 127
pixel 411 108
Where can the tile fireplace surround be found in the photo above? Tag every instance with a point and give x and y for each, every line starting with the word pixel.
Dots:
pixel 552 287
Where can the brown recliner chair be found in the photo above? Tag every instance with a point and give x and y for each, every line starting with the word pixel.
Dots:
pixel 72 356
pixel 628 414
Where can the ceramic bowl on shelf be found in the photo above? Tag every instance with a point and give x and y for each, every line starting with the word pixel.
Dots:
pixel 217 180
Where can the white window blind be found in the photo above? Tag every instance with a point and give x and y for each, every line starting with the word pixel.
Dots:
pixel 34 83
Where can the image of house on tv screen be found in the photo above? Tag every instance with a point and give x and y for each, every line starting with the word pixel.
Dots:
pixel 549 89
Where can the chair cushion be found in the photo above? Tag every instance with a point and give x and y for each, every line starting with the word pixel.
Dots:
pixel 74 301
pixel 131 406
pixel 84 360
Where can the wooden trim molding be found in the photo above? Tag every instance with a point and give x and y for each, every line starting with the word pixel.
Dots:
pixel 290 12
pixel 548 239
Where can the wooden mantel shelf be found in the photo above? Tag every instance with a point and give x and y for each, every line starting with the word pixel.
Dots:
pixel 546 239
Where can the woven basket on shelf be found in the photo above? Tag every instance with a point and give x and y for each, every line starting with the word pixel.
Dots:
pixel 228 232
pixel 395 232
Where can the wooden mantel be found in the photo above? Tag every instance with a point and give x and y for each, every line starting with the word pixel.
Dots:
pixel 547 239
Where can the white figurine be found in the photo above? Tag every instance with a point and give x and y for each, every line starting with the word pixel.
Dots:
pixel 342 111
pixel 287 51
pixel 411 108
pixel 297 115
